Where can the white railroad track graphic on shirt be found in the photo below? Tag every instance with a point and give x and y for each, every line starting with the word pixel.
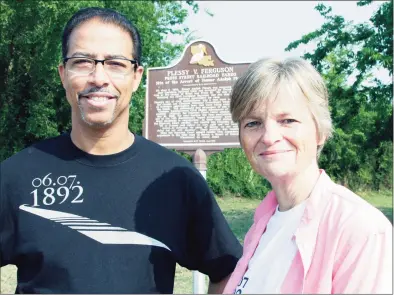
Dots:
pixel 104 233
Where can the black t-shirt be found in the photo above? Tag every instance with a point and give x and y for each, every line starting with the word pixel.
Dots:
pixel 79 223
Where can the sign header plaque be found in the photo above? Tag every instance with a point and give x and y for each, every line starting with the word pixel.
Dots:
pixel 187 105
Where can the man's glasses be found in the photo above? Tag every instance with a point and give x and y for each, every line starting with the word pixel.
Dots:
pixel 113 66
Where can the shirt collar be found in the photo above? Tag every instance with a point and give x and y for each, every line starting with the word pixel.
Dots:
pixel 306 233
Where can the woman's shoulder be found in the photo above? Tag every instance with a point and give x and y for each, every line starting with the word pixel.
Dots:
pixel 355 214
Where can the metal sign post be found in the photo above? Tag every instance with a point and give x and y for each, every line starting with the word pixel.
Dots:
pixel 200 162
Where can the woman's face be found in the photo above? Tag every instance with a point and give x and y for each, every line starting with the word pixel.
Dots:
pixel 279 136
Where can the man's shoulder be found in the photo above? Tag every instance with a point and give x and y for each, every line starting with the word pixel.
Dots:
pixel 167 162
pixel 160 154
pixel 34 152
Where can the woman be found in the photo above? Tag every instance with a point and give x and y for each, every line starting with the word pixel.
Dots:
pixel 309 234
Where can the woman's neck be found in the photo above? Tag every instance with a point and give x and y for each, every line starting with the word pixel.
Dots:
pixel 293 190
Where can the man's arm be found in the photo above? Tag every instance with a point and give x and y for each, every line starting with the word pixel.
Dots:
pixel 211 247
pixel 7 226
pixel 217 288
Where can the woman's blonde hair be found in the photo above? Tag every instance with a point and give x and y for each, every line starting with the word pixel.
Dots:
pixel 262 81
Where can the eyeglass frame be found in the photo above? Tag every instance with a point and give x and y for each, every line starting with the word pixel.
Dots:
pixel 96 61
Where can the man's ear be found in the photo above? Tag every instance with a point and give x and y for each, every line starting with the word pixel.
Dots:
pixel 137 77
pixel 62 73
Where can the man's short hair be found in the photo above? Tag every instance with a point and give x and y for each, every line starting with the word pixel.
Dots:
pixel 107 16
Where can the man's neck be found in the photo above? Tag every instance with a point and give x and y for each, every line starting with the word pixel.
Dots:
pixel 101 141
pixel 294 190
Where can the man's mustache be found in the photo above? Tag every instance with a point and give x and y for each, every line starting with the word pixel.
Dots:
pixel 96 90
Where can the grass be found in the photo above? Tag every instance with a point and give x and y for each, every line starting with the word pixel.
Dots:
pixel 8 279
pixel 382 200
pixel 239 214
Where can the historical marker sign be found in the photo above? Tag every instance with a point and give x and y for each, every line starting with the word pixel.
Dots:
pixel 187 105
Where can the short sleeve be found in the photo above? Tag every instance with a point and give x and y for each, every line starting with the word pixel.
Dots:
pixel 7 225
pixel 212 248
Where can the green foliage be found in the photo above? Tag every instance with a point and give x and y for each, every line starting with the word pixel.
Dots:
pixel 33 104
pixel 32 100
pixel 360 153
pixel 229 173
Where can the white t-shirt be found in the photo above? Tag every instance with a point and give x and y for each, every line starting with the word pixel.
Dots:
pixel 273 257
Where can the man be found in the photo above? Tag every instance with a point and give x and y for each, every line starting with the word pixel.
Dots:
pixel 102 210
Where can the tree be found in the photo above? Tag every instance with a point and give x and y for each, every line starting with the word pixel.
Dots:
pixel 346 55
pixel 32 100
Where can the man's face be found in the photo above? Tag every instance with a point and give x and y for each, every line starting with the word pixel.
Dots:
pixel 99 99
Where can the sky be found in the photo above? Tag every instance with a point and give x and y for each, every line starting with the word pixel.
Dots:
pixel 244 31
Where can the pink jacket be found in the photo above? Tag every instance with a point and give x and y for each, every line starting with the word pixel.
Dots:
pixel 345 244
